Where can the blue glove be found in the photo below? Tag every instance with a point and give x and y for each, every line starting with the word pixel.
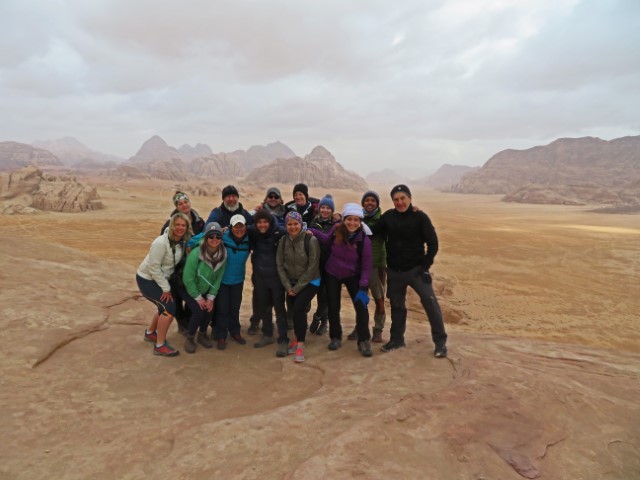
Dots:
pixel 362 296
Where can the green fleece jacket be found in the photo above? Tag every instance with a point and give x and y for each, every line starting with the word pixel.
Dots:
pixel 295 268
pixel 200 279
pixel 379 252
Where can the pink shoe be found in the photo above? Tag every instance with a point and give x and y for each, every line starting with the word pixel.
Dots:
pixel 299 356
pixel 292 347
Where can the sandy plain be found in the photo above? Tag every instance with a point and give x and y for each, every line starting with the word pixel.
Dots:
pixel 541 304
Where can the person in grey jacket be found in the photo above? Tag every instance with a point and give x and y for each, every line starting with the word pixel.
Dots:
pixel 298 261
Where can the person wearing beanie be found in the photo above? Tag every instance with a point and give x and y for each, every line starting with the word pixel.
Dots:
pixel 406 232
pixel 349 264
pixel 378 278
pixel 274 204
pixel 229 207
pixel 322 222
pixel 303 204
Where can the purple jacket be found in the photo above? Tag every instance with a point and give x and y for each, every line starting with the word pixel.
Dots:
pixel 343 260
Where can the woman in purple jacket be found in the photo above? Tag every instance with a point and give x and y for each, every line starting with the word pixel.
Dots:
pixel 349 263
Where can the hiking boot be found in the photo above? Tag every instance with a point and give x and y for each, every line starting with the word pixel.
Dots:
pixel 299 355
pixel 353 335
pixel 263 342
pixel 315 323
pixel 221 344
pixel 151 337
pixel 292 347
pixel 238 338
pixel 392 345
pixel 334 344
pixel 365 348
pixel 184 331
pixel 204 340
pixel 322 329
pixel 190 344
pixel 283 350
pixel 377 335
pixel 440 351
pixel 165 350
pixel 253 328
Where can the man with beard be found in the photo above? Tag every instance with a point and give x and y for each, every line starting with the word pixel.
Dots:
pixel 229 207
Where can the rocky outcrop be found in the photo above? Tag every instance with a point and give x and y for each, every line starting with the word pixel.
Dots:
pixel 200 150
pixel 75 154
pixel 14 155
pixel 126 172
pixel 318 169
pixel 590 163
pixel 446 176
pixel 215 166
pixel 174 169
pixel 29 187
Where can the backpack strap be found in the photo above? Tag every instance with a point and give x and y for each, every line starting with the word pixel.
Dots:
pixel 307 241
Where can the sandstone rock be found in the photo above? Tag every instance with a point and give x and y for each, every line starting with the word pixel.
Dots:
pixel 446 176
pixel 200 150
pixel 14 155
pixel 73 153
pixel 318 169
pixel 153 150
pixel 128 172
pixel 215 166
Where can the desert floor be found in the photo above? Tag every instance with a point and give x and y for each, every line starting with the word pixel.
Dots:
pixel 541 304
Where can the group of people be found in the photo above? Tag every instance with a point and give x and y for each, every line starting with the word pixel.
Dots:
pixel 195 271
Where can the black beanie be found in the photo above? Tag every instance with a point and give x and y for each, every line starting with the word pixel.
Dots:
pixel 401 188
pixel 229 190
pixel 370 193
pixel 301 187
pixel 262 214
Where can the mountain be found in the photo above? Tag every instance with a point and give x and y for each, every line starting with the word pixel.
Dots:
pixel 216 166
pixel 318 169
pixel 446 176
pixel 14 155
pixel 587 165
pixel 200 150
pixel 153 150
pixel 77 155
pixel 390 176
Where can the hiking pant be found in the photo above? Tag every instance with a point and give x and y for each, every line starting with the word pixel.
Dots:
pixel 268 292
pixel 334 290
pixel 227 309
pixel 199 318
pixel 297 306
pixel 397 283
pixel 152 292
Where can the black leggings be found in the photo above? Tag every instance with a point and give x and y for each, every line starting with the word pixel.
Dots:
pixel 298 306
pixel 334 289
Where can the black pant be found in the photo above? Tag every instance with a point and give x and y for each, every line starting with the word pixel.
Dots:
pixel 199 318
pixel 397 283
pixel 268 292
pixel 334 289
pixel 227 309
pixel 322 310
pixel 297 306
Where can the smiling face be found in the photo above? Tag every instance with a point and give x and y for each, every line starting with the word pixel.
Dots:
pixel 230 201
pixel 401 201
pixel 369 204
pixel 293 228
pixel 325 212
pixel 299 198
pixel 262 225
pixel 179 228
pixel 183 206
pixel 273 200
pixel 239 229
pixel 352 223
pixel 213 241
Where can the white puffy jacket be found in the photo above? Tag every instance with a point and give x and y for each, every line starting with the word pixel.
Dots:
pixel 159 264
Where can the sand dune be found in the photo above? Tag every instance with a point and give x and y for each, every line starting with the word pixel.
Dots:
pixel 541 305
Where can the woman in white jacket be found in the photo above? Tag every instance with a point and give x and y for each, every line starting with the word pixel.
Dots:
pixel 153 280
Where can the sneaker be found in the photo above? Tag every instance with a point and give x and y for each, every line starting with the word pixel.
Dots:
pixel 204 340
pixel 299 356
pixel 292 347
pixel 334 344
pixel 283 350
pixel 253 328
pixel 221 344
pixel 392 345
pixel 151 337
pixel 263 342
pixel 377 336
pixel 365 348
pixel 322 329
pixel 353 335
pixel 190 344
pixel 238 338
pixel 315 323
pixel 440 351
pixel 165 350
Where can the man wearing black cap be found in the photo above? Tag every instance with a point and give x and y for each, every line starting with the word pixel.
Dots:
pixel 229 207
pixel 406 232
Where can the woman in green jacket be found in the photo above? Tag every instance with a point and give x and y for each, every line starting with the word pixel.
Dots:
pixel 202 277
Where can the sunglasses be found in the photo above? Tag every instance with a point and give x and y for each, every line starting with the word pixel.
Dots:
pixel 214 235
pixel 273 196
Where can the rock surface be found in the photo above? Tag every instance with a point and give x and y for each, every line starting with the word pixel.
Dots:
pixel 75 154
pixel 446 176
pixel 14 155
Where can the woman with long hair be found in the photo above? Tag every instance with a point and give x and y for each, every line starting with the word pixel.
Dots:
pixel 153 280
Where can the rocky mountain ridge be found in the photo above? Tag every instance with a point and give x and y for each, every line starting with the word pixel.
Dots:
pixel 14 155
pixel 75 154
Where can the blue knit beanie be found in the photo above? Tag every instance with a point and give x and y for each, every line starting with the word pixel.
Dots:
pixel 328 201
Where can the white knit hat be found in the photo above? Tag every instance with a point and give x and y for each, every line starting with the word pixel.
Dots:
pixel 352 209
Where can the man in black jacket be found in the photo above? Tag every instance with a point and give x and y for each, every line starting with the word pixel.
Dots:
pixel 406 232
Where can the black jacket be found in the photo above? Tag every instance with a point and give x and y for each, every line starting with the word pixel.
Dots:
pixel 264 248
pixel 223 216
pixel 405 236
pixel 197 223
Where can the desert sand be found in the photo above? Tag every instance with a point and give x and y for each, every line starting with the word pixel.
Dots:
pixel 542 381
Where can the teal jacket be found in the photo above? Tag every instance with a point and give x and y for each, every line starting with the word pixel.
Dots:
pixel 200 279
pixel 379 252
pixel 237 254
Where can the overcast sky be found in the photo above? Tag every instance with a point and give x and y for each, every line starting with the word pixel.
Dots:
pixel 380 84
